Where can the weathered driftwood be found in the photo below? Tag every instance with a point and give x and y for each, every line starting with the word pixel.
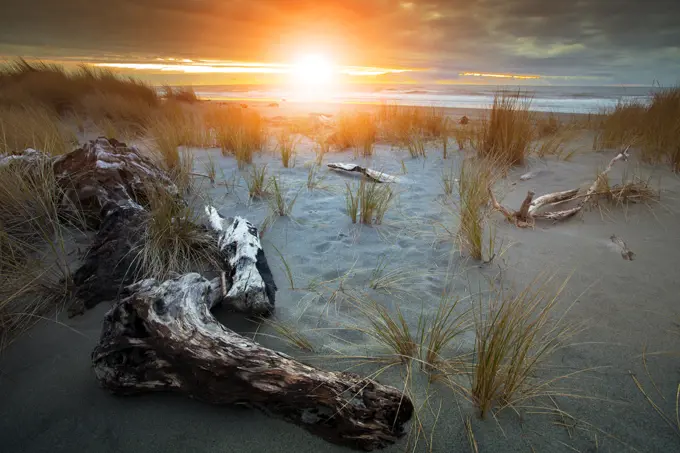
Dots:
pixel 247 282
pixel 529 211
pixel 369 173
pixel 626 253
pixel 163 337
pixel 106 172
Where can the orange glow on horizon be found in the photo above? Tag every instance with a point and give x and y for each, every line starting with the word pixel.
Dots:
pixel 500 76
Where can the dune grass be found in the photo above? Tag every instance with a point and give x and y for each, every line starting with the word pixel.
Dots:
pixel 474 180
pixel 356 130
pixel 290 334
pixel 184 94
pixel 173 242
pixel 515 334
pixel 240 132
pixel 63 92
pixel 33 127
pixel 286 143
pixel 438 331
pixel 507 133
pixel 653 127
pixel 257 182
pixel 368 202
pixel 415 144
pixel 449 180
pixel 399 122
pixel 35 220
pixel 280 201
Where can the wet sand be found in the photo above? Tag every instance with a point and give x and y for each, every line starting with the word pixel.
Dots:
pixel 50 400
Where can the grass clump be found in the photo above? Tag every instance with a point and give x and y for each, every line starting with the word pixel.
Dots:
pixel 33 127
pixel 66 92
pixel 399 122
pixel 240 132
pixel 438 331
pixel 507 134
pixel 654 127
pixel 257 182
pixel 475 178
pixel 280 202
pixel 368 202
pixel 290 334
pixel 34 267
pixel 415 144
pixel 449 180
pixel 173 242
pixel 358 131
pixel 514 336
pixel 286 145
pixel 180 94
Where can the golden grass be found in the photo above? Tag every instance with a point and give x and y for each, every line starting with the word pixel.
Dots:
pixel 438 332
pixel 399 122
pixel 515 334
pixel 280 201
pixel 28 83
pixel 290 334
pixel 34 270
pixel 173 242
pixel 356 130
pixel 180 94
pixel 286 143
pixel 33 127
pixel 474 180
pixel 257 181
pixel 415 144
pixel 507 134
pixel 240 132
pixel 368 202
pixel 653 127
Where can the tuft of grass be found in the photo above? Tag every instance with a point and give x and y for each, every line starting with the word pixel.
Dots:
pixel 438 332
pixel 34 267
pixel 507 134
pixel 352 203
pixel 390 330
pixel 322 147
pixel 474 180
pixel 180 94
pixel 449 180
pixel 257 182
pixel 290 334
pixel 240 132
pixel 399 122
pixel 66 92
pixel 173 242
pixel 313 179
pixel 356 130
pixel 279 201
pixel 515 334
pixel 415 143
pixel 368 202
pixel 33 127
pixel 286 145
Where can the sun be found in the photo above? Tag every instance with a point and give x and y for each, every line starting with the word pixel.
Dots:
pixel 314 70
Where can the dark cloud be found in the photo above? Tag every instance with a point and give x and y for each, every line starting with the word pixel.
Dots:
pixel 619 41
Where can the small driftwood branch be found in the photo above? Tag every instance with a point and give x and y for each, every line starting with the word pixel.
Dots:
pixel 163 337
pixel 529 211
pixel 247 279
pixel 369 173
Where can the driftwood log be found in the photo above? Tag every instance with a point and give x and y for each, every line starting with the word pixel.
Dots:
pixel 246 280
pixel 375 175
pixel 163 337
pixel 530 209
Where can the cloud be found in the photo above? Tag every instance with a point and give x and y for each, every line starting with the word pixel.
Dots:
pixel 621 41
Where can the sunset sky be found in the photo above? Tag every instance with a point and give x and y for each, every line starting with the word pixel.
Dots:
pixel 570 42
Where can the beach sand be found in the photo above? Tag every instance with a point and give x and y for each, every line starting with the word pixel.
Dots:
pixel 50 400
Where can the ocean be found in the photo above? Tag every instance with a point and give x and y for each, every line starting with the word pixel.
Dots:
pixel 561 99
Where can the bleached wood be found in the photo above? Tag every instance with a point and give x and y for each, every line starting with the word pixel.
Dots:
pixel 163 337
pixel 250 285
pixel 370 173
